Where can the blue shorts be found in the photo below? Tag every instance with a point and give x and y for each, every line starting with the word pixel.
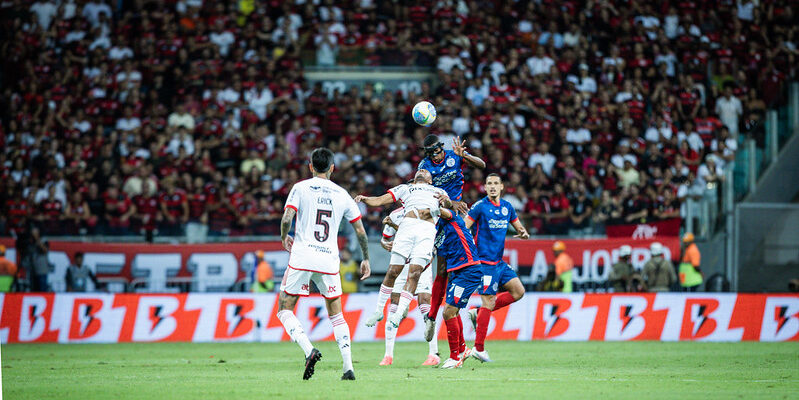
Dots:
pixel 495 276
pixel 462 283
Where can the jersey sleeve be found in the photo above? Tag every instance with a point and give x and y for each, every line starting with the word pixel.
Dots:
pixel 293 200
pixel 388 231
pixel 398 192
pixel 422 164
pixel 474 212
pixel 352 213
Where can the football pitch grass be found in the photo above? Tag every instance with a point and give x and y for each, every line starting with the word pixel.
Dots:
pixel 521 370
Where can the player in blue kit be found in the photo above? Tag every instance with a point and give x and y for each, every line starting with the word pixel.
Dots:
pixel 491 217
pixel 446 168
pixel 455 245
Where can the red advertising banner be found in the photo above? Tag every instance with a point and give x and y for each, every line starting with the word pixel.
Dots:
pixel 649 230
pixel 203 317
pixel 216 267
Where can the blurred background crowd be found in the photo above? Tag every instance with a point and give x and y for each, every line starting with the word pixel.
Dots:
pixel 194 117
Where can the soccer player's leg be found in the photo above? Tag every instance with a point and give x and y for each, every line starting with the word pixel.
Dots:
pixel 390 331
pixel 421 252
pixel 396 264
pixel 295 284
pixel 330 287
pixel 509 281
pixel 462 284
pixel 439 287
pixel 423 297
pixel 414 272
pixel 481 317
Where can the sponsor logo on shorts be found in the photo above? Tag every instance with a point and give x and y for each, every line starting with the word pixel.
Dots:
pixel 331 289
pixel 306 287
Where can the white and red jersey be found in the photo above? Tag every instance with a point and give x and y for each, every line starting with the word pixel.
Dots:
pixel 418 196
pixel 395 217
pixel 320 206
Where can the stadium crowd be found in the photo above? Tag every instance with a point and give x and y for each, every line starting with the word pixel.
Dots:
pixel 192 115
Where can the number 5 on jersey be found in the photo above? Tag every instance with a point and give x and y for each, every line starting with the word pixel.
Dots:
pixel 323 235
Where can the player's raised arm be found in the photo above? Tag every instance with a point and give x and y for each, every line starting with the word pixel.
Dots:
pixel 459 147
pixel 375 201
pixel 363 241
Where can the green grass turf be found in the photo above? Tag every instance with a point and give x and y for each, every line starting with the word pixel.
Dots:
pixel 546 370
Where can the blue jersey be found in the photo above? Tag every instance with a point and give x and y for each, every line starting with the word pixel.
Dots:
pixel 455 243
pixel 490 227
pixel 447 174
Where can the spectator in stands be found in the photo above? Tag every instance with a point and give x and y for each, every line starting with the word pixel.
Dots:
pixel 108 95
pixel 658 274
pixel 729 109
pixel 79 275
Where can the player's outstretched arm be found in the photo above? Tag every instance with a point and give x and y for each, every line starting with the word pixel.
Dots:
pixel 459 147
pixel 285 225
pixel 521 231
pixel 363 241
pixel 377 201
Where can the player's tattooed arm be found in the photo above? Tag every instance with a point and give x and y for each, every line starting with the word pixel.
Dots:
pixel 377 201
pixel 363 242
pixel 285 226
pixel 459 147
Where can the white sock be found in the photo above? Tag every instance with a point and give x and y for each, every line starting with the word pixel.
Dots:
pixel 391 333
pixel 292 326
pixel 404 302
pixel 433 344
pixel 342 333
pixel 382 298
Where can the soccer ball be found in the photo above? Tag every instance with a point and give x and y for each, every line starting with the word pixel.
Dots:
pixel 424 113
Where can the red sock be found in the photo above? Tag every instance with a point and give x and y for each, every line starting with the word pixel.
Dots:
pixel 483 319
pixel 461 341
pixel 453 337
pixel 437 295
pixel 503 299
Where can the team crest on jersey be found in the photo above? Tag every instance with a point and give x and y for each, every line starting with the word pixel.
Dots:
pixel 504 210
pixel 450 162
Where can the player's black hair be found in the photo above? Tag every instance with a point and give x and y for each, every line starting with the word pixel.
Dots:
pixel 431 140
pixel 321 159
pixel 494 174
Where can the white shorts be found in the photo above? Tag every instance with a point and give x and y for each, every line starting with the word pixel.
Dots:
pixel 425 284
pixel 298 283
pixel 414 241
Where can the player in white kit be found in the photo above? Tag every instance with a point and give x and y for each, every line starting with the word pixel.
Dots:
pixel 414 241
pixel 319 205
pixel 423 289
